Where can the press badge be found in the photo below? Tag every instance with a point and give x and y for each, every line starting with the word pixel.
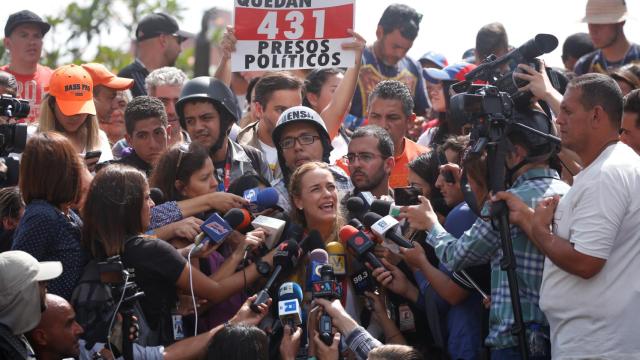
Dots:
pixel 407 321
pixel 178 328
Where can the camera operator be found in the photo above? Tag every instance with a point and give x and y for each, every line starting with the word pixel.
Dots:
pixel 528 169
pixel 589 237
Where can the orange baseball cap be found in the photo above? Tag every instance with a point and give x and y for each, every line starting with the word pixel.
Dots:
pixel 73 88
pixel 102 76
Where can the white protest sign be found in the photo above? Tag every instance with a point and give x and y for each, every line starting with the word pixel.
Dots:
pixel 292 34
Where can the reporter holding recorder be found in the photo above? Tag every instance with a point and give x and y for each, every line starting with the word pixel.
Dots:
pixel 160 270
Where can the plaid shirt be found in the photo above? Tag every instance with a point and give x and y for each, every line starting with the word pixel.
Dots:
pixel 481 244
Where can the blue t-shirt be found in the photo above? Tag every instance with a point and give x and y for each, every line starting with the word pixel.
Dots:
pixel 595 62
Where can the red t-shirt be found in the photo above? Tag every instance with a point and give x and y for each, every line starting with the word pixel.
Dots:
pixel 31 88
pixel 400 173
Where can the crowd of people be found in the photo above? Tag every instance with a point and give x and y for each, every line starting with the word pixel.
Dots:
pixel 323 213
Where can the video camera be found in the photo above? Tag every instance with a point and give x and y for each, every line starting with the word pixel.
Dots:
pixel 13 137
pixel 500 95
pixel 121 281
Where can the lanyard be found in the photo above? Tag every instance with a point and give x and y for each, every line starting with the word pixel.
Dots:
pixel 224 179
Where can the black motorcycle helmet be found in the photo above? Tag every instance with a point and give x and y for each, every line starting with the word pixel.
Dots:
pixel 217 93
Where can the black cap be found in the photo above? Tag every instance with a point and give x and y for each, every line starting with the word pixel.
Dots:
pixel 25 17
pixel 156 24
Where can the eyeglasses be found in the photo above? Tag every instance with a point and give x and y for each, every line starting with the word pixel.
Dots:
pixel 365 157
pixel 290 142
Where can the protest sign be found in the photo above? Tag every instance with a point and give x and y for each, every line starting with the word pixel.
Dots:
pixel 292 34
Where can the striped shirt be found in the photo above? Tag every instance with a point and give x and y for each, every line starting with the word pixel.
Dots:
pixel 481 244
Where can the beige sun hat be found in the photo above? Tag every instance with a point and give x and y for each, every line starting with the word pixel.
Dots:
pixel 605 12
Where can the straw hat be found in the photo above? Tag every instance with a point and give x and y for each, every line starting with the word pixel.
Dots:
pixel 605 12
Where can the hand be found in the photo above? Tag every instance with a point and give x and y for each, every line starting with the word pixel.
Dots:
pixel 338 314
pixel 542 219
pixel 225 201
pixel 91 163
pixel 247 316
pixel 290 343
pixel 420 217
pixel 357 46
pixel 453 169
pixel 228 43
pixel 414 257
pixel 519 213
pixel 188 228
pixel 324 352
pixel 391 278
pixel 379 309
pixel 204 251
pixel 185 305
pixel 381 252
pixel 539 83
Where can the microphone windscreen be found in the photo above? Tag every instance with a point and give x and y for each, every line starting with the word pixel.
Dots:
pixel 312 241
pixel 370 218
pixel 289 291
pixel 380 207
pixel 157 196
pixel 287 254
pixel 335 248
pixel 319 256
pixel 355 204
pixel 267 198
pixel 346 232
pixel 238 219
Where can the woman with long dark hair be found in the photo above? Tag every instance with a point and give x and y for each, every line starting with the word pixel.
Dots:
pixel 116 214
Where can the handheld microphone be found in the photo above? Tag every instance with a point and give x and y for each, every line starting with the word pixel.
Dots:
pixel 285 258
pixel 359 245
pixel 157 196
pixel 362 281
pixel 317 258
pixel 356 224
pixel 337 258
pixel 311 242
pixel 327 288
pixel 217 229
pixel 356 207
pixel 261 199
pixel 274 229
pixel 289 300
pixel 386 227
pixel 384 208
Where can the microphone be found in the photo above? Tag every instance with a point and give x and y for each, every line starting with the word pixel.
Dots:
pixel 337 258
pixel 362 281
pixel 274 229
pixel 356 207
pixel 311 242
pixel 289 300
pixel 359 245
pixel 285 258
pixel 157 196
pixel 327 288
pixel 261 199
pixel 384 208
pixel 386 227
pixel 317 258
pixel 217 229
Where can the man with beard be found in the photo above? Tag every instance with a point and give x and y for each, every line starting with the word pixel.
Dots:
pixel 158 40
pixel 370 160
pixel 207 109
pixel 23 286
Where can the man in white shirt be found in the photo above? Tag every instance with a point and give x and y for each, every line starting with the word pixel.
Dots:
pixel 590 237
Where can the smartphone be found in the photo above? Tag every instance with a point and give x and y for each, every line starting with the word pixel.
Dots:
pixel 405 196
pixel 92 154
pixel 442 160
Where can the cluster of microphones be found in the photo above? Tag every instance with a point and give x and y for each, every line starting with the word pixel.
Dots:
pixel 327 262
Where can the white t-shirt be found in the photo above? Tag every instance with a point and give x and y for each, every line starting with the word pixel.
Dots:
pixel 271 154
pixel 598 317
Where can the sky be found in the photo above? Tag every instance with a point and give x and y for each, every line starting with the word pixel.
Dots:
pixel 448 27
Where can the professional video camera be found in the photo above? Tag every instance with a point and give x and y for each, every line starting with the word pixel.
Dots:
pixel 125 294
pixel 491 109
pixel 13 137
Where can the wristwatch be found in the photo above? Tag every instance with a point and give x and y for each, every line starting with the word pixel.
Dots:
pixel 263 268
